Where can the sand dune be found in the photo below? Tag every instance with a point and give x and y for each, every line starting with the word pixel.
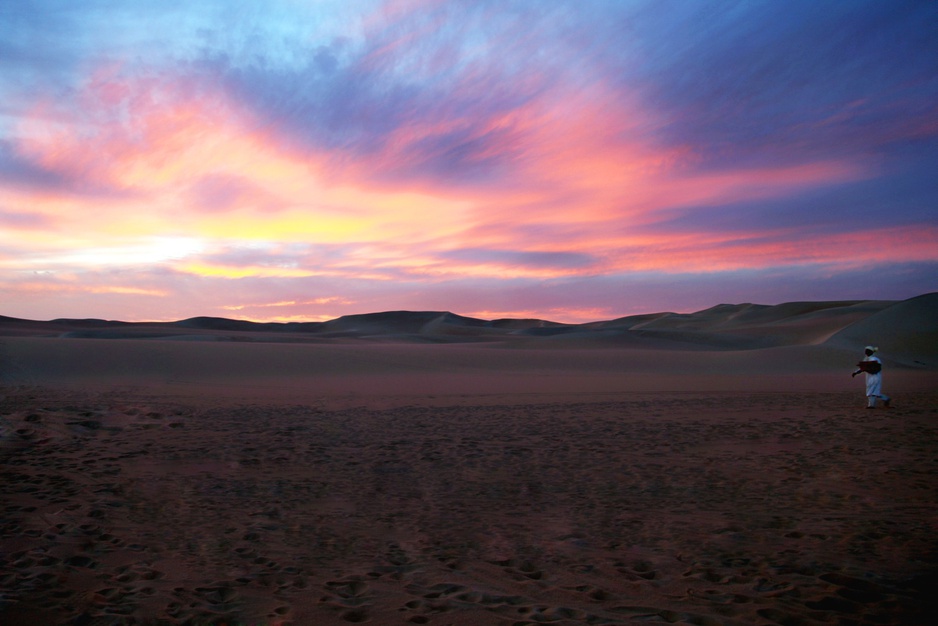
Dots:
pixel 428 468
pixel 905 326
pixel 908 328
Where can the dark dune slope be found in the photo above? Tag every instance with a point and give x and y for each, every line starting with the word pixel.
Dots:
pixel 906 330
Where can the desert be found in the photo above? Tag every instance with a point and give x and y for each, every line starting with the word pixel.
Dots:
pixel 404 467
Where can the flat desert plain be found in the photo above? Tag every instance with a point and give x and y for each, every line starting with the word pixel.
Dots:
pixel 415 468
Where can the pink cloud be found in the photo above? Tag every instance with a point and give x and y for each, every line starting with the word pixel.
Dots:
pixel 579 176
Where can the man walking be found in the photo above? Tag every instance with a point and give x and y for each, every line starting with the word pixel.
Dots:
pixel 872 367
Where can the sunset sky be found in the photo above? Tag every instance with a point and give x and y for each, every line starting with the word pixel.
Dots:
pixel 299 160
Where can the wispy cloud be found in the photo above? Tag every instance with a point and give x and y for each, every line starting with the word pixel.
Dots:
pixel 491 157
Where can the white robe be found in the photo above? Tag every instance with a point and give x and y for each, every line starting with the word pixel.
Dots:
pixel 874 382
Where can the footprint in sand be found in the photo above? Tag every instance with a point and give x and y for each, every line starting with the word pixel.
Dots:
pixel 640 570
pixel 350 597
pixel 595 594
pixel 220 598
pixel 521 570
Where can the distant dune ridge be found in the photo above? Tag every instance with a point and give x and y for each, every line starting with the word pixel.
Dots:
pixel 907 328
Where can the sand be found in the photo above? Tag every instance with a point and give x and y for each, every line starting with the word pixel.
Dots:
pixel 717 508
pixel 159 481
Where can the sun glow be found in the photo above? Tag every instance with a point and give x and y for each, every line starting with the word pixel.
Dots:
pixel 243 271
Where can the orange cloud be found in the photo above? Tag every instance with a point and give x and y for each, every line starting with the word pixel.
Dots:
pixel 170 143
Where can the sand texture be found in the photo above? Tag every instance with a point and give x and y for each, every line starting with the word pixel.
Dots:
pixel 694 476
pixel 679 508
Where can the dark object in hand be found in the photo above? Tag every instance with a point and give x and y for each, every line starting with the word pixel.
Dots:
pixel 870 367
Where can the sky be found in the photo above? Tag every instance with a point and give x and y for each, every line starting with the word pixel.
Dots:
pixel 581 160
